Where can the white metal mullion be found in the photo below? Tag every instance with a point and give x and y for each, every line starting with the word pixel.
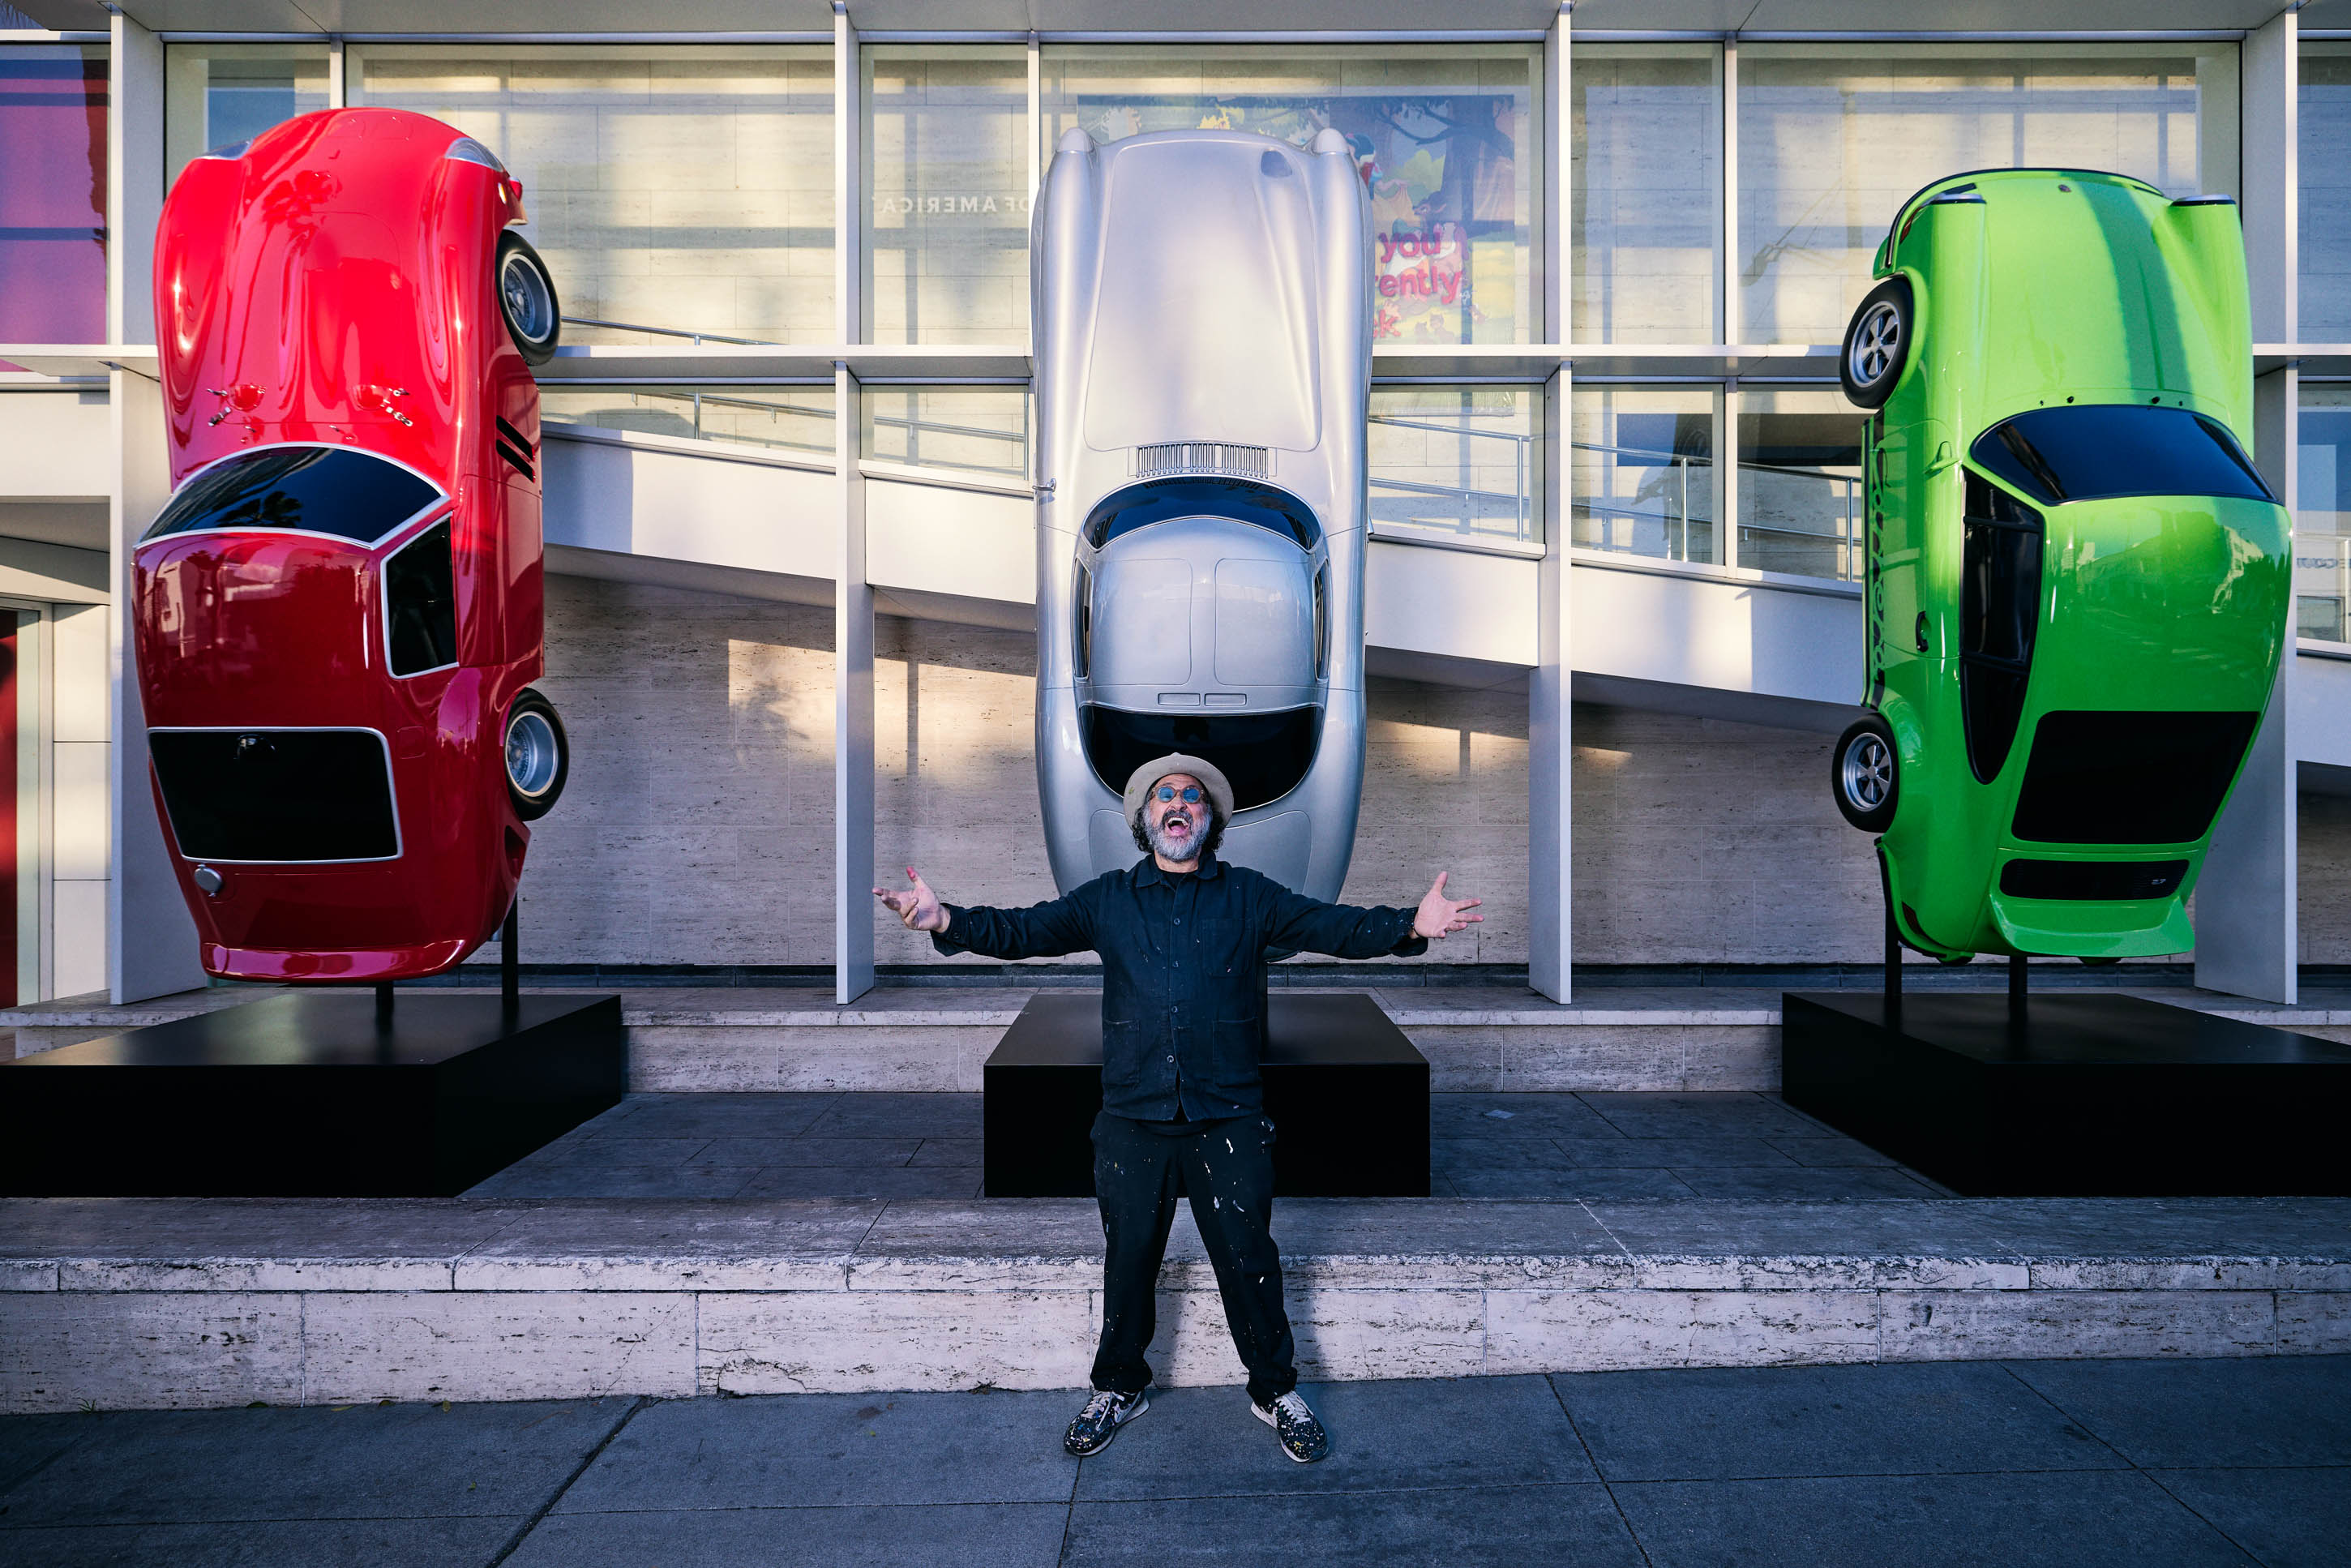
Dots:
pixel 1727 305
pixel 853 595
pixel 337 95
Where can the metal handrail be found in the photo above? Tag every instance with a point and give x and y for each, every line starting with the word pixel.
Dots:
pixel 697 338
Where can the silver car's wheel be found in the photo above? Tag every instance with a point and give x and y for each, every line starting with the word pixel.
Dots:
pixel 1865 771
pixel 538 755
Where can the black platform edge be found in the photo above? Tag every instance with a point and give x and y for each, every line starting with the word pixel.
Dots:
pixel 311 1093
pixel 2065 976
pixel 2093 1094
pixel 1347 1094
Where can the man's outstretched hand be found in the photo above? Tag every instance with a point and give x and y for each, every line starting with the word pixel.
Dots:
pixel 1439 916
pixel 918 909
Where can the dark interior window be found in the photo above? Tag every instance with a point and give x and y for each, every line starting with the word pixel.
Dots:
pixel 1140 506
pixel 420 603
pixel 1265 755
pixel 2094 451
pixel 2127 777
pixel 277 794
pixel 1999 603
pixel 333 490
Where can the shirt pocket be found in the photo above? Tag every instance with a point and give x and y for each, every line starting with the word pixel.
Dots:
pixel 1233 1046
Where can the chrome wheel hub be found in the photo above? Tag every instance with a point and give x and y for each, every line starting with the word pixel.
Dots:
pixel 530 754
pixel 527 303
pixel 1867 772
pixel 1877 344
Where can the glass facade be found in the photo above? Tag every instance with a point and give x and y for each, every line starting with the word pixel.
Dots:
pixel 797 420
pixel 1799 482
pixel 2323 119
pixel 1646 150
pixel 1456 463
pixel 53 105
pixel 1834 136
pixel 1447 136
pixel 2322 515
pixel 946 196
pixel 216 95
pixel 979 431
pixel 1642 478
pixel 683 188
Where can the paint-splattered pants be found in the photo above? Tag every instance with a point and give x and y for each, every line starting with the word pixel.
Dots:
pixel 1226 1169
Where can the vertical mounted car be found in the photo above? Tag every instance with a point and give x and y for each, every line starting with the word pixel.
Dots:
pixel 337 615
pixel 1202 309
pixel 2077 580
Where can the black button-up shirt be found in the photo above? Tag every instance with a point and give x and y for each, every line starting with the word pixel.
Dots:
pixel 1182 972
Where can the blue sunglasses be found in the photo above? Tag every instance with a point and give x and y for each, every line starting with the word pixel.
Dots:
pixel 1191 793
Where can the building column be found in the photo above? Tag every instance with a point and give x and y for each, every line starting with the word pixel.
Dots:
pixel 1550 921
pixel 853 596
pixel 2248 936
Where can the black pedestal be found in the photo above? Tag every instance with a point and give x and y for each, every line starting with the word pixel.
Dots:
pixel 2093 1094
pixel 310 1093
pixel 1347 1093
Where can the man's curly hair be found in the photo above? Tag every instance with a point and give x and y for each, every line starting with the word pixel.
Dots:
pixel 1209 840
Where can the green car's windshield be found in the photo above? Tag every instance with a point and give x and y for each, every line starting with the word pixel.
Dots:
pixel 2094 451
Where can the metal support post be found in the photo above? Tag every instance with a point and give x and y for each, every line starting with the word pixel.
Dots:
pixel 510 957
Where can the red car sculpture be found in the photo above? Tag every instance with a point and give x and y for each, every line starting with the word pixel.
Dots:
pixel 338 614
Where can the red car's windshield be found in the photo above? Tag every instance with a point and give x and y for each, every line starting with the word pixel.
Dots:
pixel 332 490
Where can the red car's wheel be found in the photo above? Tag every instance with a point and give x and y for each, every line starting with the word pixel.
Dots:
pixel 527 299
pixel 539 756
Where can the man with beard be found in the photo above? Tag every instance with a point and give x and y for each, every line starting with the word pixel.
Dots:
pixel 1182 937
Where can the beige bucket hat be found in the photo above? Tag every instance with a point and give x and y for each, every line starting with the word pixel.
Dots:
pixel 1139 782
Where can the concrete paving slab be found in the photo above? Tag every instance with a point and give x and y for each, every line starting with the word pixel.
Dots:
pixel 1573 1183
pixel 29 1442
pixel 813 1150
pixel 2084 1518
pixel 1483 1527
pixel 1830 1152
pixel 1500 1116
pixel 1804 1185
pixel 950 1152
pixel 862 1181
pixel 527 1180
pixel 2286 1517
pixel 718 1115
pixel 361 1461
pixel 2261 1411
pixel 1725 1114
pixel 1665 1154
pixel 832 1451
pixel 577 1150
pixel 1520 1154
pixel 899 1115
pixel 262 1543
pixel 1385 1436
pixel 1721 1425
pixel 968 1536
pixel 1008 1242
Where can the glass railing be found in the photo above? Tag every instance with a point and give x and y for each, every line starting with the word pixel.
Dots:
pixel 1481 489
pixel 1803 522
pixel 800 422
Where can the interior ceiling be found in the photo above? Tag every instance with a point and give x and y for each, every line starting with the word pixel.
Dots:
pixel 1186 16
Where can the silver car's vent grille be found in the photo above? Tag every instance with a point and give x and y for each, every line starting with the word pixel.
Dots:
pixel 1203 457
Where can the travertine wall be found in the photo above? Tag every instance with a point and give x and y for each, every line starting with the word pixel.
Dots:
pixel 697 826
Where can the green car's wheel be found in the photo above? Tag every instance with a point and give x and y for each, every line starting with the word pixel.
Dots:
pixel 1877 344
pixel 1863 772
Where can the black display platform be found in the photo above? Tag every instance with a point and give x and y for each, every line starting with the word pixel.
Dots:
pixel 311 1093
pixel 2097 1095
pixel 1347 1093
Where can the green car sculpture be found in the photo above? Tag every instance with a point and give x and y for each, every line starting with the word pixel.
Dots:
pixel 2077 583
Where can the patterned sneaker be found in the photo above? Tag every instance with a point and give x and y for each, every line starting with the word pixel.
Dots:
pixel 1303 1437
pixel 1099 1422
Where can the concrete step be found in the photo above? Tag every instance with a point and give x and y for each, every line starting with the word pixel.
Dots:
pixel 1478 1039
pixel 184 1302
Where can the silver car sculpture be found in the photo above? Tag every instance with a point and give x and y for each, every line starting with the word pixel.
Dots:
pixel 1202 309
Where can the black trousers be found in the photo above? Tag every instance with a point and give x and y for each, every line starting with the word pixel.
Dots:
pixel 1226 1169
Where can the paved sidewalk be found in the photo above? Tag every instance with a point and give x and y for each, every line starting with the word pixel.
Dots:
pixel 2138 1463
